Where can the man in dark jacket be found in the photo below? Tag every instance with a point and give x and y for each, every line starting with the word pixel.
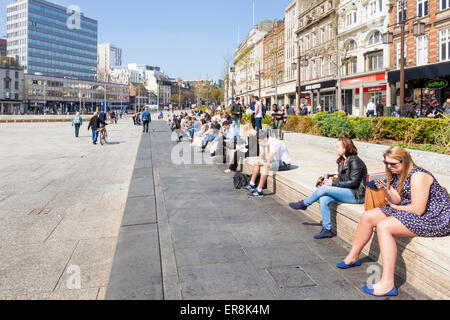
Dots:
pixel 380 109
pixel 236 115
pixel 408 110
pixel 435 111
pixel 95 124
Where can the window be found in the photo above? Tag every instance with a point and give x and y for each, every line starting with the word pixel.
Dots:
pixel 307 43
pixel 351 18
pixel 351 45
pixel 422 8
pixel 16 85
pixel 375 38
pixel 314 40
pixel 330 65
pixel 314 69
pixel 422 50
pixel 301 45
pixel 322 35
pixel 445 45
pixel 445 4
pixel 330 32
pixel 6 83
pixel 399 10
pixel 322 67
pixel 374 61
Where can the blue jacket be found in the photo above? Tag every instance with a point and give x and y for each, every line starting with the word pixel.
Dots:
pixel 146 116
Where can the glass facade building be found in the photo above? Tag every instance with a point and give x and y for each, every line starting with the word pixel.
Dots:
pixel 52 40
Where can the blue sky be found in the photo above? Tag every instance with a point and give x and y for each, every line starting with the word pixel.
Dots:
pixel 186 38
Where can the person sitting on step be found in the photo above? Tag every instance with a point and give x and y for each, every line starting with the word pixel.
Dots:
pixel 274 157
pixel 349 187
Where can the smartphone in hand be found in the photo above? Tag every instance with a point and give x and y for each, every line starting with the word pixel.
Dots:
pixel 381 184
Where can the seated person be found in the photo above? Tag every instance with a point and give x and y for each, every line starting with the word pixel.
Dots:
pixel 418 206
pixel 242 150
pixel 211 134
pixel 350 186
pixel 221 138
pixel 274 157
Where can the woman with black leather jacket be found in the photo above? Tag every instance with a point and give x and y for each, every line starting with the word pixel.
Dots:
pixel 349 187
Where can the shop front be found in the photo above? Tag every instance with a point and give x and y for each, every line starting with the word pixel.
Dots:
pixel 357 93
pixel 423 84
pixel 321 93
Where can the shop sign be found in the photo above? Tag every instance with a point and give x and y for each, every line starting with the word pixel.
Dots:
pixel 366 79
pixel 436 84
pixel 313 87
pixel 372 89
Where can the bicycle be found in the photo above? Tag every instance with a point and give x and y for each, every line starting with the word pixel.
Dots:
pixel 103 135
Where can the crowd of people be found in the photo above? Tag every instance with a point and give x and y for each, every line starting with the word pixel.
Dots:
pixel 417 205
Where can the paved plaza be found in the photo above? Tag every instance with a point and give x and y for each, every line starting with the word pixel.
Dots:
pixel 61 204
pixel 134 225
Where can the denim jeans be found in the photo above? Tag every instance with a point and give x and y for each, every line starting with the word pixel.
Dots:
pixel 236 127
pixel 94 135
pixel 329 195
pixel 209 138
pixel 258 124
pixel 77 129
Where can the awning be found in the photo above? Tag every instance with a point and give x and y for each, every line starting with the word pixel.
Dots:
pixel 433 71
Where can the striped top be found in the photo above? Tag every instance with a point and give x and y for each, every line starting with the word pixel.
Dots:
pixel 279 115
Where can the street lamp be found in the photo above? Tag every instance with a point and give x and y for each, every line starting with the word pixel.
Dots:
pixel 388 38
pixel 302 62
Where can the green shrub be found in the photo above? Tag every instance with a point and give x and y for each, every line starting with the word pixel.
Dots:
pixel 363 130
pixel 333 125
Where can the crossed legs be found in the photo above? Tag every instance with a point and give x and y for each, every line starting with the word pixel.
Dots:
pixel 387 229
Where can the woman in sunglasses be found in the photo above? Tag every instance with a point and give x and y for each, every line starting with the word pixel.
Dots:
pixel 418 207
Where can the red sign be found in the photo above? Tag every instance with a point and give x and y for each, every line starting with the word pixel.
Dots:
pixel 372 89
pixel 366 79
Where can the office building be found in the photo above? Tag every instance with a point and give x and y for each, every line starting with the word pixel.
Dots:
pixel 51 39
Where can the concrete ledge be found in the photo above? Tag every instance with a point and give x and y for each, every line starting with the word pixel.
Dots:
pixel 38 120
pixel 422 262
pixel 439 162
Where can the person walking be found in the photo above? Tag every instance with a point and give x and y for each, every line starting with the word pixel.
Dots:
pixel 371 109
pixel 146 119
pixel 77 122
pixel 94 124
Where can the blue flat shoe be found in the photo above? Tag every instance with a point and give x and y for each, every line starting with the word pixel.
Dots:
pixel 343 265
pixel 369 290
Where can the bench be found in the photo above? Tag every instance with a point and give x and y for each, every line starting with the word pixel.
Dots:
pixel 423 262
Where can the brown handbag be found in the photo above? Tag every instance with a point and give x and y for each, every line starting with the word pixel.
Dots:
pixel 375 199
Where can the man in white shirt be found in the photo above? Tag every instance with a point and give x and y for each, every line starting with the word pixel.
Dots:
pixel 371 109
pixel 258 113
pixel 275 157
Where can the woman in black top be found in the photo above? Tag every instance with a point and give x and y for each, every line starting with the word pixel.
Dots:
pixel 349 187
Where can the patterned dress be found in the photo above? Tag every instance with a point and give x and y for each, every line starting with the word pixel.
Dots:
pixel 435 222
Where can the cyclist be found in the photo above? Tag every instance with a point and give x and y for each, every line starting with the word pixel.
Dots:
pixel 97 125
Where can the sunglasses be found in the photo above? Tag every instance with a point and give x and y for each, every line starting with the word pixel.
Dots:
pixel 393 165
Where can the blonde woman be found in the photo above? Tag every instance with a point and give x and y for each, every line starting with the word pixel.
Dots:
pixel 418 207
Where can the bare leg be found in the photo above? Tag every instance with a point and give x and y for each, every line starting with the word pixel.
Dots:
pixel 264 176
pixel 387 231
pixel 369 221
pixel 256 170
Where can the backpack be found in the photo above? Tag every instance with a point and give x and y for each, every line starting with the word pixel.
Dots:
pixel 77 120
pixel 241 180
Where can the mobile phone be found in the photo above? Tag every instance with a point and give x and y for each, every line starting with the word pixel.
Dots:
pixel 382 183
